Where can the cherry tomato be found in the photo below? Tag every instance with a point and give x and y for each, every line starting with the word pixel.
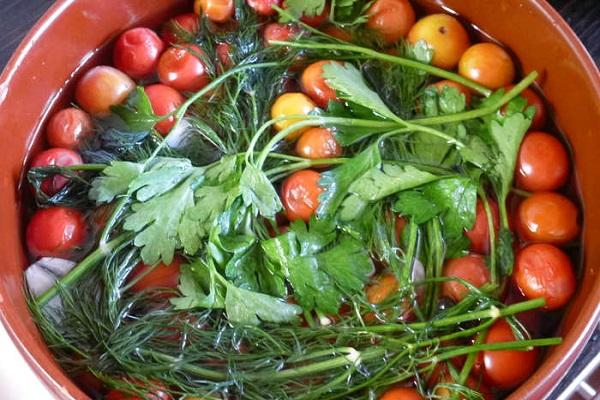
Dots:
pixel 470 268
pixel 56 232
pixel 392 19
pixel 180 29
pixel 223 51
pixel 535 101
pixel 338 33
pixel 479 234
pixel 137 51
pixel 102 87
pixel 506 369
pixel 61 158
pixel 280 32
pixel 462 89
pixel 291 104
pixel 445 35
pixel 318 143
pixel 217 10
pixel 183 69
pixel 68 128
pixel 316 20
pixel 300 194
pixel 158 393
pixel 543 270
pixel 313 84
pixel 160 276
pixel 487 64
pixel 399 225
pixel 547 217
pixel 543 163
pixel 264 7
pixel 164 100
pixel 383 287
pixel 401 394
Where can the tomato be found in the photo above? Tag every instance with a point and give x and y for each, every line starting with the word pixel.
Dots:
pixel 158 393
pixel 102 87
pixel 56 232
pixel 137 51
pixel 68 128
pixel 535 101
pixel 160 276
pixel 223 51
pixel 318 143
pixel 164 100
pixel 217 10
pixel 401 394
pixel 338 33
pixel 289 104
pixel 313 84
pixel 264 7
pixel 543 270
pixel 300 194
pixel 280 32
pixel 180 29
pixel 470 268
pixel 462 89
pixel 61 158
pixel 479 234
pixel 547 217
pixel 445 35
pixel 383 287
pixel 399 225
pixel 316 20
pixel 543 163
pixel 506 369
pixel 183 69
pixel 487 64
pixel 392 19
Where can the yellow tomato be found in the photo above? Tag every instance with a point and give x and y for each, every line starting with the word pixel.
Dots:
pixel 289 104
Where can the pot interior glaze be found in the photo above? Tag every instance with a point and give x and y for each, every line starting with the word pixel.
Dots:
pixel 70 38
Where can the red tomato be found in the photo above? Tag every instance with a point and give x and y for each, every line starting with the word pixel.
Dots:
pixel 160 276
pixel 59 157
pixel 164 100
pixel 313 84
pixel 264 7
pixel 487 64
pixel 399 227
pixel 318 143
pixel 383 287
pixel 543 163
pixel 217 10
pixel 316 20
pixel 506 369
pixel 479 234
pixel 183 69
pixel 338 33
pixel 180 29
pixel 547 217
pixel 56 232
pixel 68 128
pixel 158 394
pixel 445 35
pixel 470 268
pixel 223 51
pixel 300 194
pixel 392 19
pixel 137 51
pixel 535 101
pixel 462 89
pixel 543 270
pixel 401 394
pixel 280 32
pixel 102 87
pixel 532 320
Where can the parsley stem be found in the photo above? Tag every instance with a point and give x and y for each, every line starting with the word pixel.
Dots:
pixel 479 112
pixel 406 62
pixel 81 269
pixel 86 167
pixel 305 164
pixel 491 233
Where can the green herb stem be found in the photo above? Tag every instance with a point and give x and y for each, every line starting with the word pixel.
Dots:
pixel 492 234
pixel 86 167
pixel 305 164
pixel 81 269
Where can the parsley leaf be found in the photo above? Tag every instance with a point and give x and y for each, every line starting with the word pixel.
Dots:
pixel 416 204
pixel 258 192
pixel 249 308
pixel 161 176
pixel 114 181
pixel 137 111
pixel 300 8
pixel 199 288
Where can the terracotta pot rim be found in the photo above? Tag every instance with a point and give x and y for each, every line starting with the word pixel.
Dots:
pixel 545 378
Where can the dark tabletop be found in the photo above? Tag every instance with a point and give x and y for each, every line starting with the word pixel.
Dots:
pixel 17 17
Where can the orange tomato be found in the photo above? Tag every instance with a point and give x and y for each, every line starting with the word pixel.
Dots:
pixel 318 143
pixel 300 194
pixel 547 217
pixel 217 10
pixel 487 64
pixel 401 394
pixel 160 276
pixel 383 287
pixel 313 84
pixel 392 19
pixel 445 35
